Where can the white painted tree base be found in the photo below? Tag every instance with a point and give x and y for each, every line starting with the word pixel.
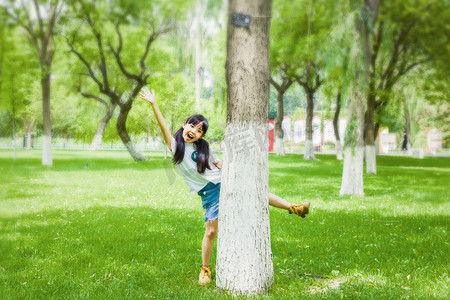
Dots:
pixel 339 150
pixel 279 146
pixel 352 176
pixel 97 142
pixel 28 140
pixel 136 155
pixel 47 151
pixel 371 160
pixel 244 256
pixel 309 151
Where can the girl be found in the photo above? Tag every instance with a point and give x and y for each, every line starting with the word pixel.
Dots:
pixel 201 169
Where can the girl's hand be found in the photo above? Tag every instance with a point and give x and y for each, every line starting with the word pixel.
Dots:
pixel 147 95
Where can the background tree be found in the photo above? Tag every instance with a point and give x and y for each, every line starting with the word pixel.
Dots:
pixel 300 30
pixel 407 35
pixel 38 20
pixel 244 257
pixel 314 30
pixel 133 73
pixel 358 54
pixel 19 82
pixel 281 90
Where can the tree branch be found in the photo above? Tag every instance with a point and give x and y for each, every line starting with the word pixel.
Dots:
pixel 90 96
pixel 275 84
pixel 28 28
pixel 86 64
pixel 117 56
pixel 147 48
pixel 41 24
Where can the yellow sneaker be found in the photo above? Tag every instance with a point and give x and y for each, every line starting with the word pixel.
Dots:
pixel 301 210
pixel 205 275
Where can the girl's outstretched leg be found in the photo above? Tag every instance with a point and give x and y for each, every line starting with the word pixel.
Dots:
pixel 302 210
pixel 207 248
pixel 278 202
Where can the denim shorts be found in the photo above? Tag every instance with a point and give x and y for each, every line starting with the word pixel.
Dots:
pixel 210 200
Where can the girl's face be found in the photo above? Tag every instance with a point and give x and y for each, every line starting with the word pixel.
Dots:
pixel 191 132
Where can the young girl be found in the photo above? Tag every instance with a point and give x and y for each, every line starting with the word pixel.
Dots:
pixel 201 169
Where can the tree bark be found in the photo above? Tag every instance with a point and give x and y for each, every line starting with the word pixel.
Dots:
pixel 198 53
pixel 309 146
pixel 28 126
pixel 352 175
pixel 369 133
pixel 47 124
pixel 281 90
pixel 121 127
pixel 336 126
pixel 279 143
pixel 407 123
pixel 244 257
pixel 97 141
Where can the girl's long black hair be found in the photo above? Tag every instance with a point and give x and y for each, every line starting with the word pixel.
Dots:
pixel 202 145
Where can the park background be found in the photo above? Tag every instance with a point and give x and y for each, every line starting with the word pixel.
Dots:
pixel 106 219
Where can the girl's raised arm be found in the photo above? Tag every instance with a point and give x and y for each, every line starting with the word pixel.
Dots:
pixel 151 98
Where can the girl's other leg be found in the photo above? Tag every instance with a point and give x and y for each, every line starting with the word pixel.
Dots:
pixel 302 210
pixel 278 202
pixel 208 241
pixel 207 248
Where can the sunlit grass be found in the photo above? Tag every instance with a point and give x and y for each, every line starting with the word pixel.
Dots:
pixel 122 229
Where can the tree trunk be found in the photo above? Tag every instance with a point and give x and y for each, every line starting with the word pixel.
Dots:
pixel 339 150
pixel 279 143
pixel 369 134
pixel 28 126
pixel 244 256
pixel 336 126
pixel 198 53
pixel 407 123
pixel 47 143
pixel 309 147
pixel 371 159
pixel 123 133
pixel 352 175
pixel 13 97
pixel 97 141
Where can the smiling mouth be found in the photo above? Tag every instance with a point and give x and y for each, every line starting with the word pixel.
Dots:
pixel 189 136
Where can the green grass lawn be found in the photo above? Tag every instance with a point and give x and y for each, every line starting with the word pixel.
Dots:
pixel 124 229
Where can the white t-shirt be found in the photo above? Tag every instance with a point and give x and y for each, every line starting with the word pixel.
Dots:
pixel 188 168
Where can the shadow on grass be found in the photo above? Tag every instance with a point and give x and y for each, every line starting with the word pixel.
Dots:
pixel 349 253
pixel 89 163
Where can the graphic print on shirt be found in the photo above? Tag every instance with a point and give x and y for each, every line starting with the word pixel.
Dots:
pixel 194 156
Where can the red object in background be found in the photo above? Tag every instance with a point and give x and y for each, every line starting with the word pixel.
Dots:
pixel 271 132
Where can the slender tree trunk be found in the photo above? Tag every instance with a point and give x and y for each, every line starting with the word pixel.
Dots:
pixel 97 141
pixel 244 256
pixel 336 126
pixel 28 126
pixel 279 143
pixel 123 133
pixel 309 147
pixel 13 96
pixel 407 123
pixel 352 175
pixel 47 144
pixel 198 54
pixel 369 134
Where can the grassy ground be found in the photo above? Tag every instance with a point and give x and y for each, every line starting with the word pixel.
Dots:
pixel 121 229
